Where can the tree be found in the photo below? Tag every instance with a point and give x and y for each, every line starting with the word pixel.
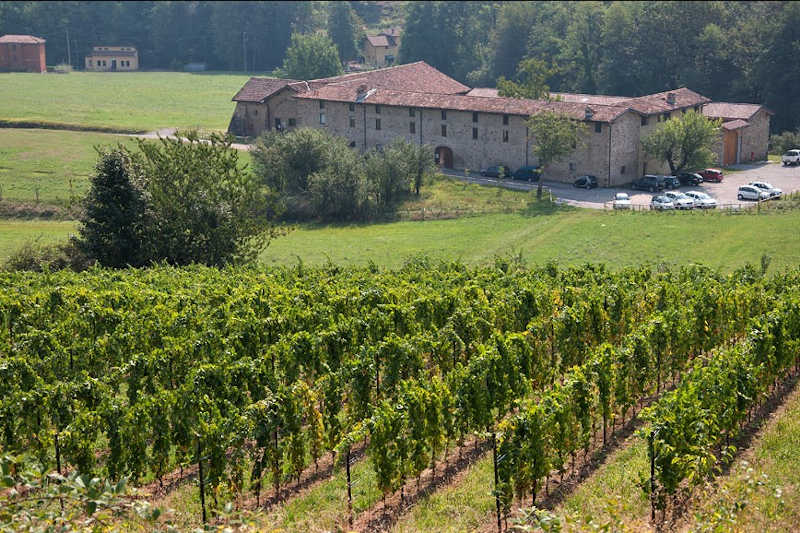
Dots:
pixel 311 56
pixel 685 141
pixel 342 29
pixel 339 191
pixel 418 161
pixel 554 135
pixel 113 225
pixel 533 74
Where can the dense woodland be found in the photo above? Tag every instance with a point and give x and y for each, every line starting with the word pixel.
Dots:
pixel 738 51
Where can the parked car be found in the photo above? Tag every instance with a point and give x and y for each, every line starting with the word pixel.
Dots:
pixel 622 201
pixel 528 172
pixel 661 203
pixel 648 183
pixel 690 178
pixel 712 174
pixel 497 171
pixel 702 200
pixel 792 157
pixel 586 182
pixel 671 182
pixel 748 192
pixel 680 200
pixel 774 192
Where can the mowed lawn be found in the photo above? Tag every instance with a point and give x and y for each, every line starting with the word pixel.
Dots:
pixel 570 236
pixel 57 163
pixel 143 101
pixel 16 233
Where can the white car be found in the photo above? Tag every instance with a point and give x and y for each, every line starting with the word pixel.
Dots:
pixel 774 192
pixel 702 200
pixel 661 203
pixel 748 192
pixel 680 200
pixel 622 201
pixel 792 157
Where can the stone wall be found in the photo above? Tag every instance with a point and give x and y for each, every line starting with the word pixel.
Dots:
pixel 755 138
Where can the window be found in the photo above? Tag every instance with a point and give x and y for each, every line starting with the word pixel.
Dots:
pixel 377 123
pixel 351 107
pixel 292 122
pixel 352 122
pixel 444 130
pixel 410 111
pixel 444 114
pixel 505 136
pixel 572 167
pixel 322 119
pixel 474 133
pixel 377 110
pixel 598 127
pixel 352 144
pixel 666 117
pixel 622 170
pixel 644 121
pixel 255 112
pixel 322 104
pixel 278 125
pixel 505 120
pixel 412 127
pixel 474 116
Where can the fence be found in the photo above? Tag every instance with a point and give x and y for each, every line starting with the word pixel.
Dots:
pixel 741 208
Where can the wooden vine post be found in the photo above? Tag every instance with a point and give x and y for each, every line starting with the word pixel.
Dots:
pixel 202 488
pixel 650 449
pixel 496 493
pixel 349 489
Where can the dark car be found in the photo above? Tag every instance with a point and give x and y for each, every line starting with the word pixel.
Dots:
pixel 497 171
pixel 670 182
pixel 690 178
pixel 648 183
pixel 586 182
pixel 529 173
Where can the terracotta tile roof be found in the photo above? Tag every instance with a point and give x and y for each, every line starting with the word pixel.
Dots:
pixel 591 99
pixel 458 102
pixel 735 124
pixel 109 53
pixel 657 103
pixel 257 89
pixel 730 111
pixel 483 92
pixel 21 39
pixel 379 40
pixel 417 77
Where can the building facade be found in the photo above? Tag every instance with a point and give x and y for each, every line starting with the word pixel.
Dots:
pixel 112 59
pixel 22 53
pixel 470 128
pixel 745 131
pixel 381 50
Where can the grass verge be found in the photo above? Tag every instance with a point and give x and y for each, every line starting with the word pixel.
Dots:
pixel 15 233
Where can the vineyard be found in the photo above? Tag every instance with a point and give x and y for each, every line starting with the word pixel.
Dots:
pixel 255 378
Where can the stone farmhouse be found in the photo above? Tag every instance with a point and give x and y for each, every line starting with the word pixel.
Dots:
pixel 381 50
pixel 476 128
pixel 22 53
pixel 745 131
pixel 113 59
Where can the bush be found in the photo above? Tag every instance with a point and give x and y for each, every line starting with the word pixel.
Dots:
pixel 339 190
pixel 779 144
pixel 36 257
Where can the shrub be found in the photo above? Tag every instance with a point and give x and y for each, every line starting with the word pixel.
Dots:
pixel 779 144
pixel 36 257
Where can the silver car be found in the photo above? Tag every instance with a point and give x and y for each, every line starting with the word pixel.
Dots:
pixel 622 201
pixel 661 203
pixel 702 200
pixel 748 192
pixel 680 200
pixel 774 192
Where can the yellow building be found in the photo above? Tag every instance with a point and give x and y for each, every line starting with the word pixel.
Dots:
pixel 381 50
pixel 113 58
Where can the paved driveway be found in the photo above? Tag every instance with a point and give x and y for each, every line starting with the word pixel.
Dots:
pixel 785 178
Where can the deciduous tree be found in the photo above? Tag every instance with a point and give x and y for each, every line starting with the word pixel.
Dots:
pixel 553 136
pixel 685 141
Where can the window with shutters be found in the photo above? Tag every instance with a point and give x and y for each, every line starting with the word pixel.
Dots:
pixel 444 114
pixel 377 123
pixel 598 127
pixel 505 120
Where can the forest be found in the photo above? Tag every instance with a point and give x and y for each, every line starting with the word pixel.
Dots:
pixel 728 51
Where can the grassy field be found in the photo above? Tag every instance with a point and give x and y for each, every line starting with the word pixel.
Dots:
pixel 570 236
pixel 132 100
pixel 15 233
pixel 57 163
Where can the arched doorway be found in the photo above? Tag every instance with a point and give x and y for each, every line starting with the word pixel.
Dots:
pixel 443 156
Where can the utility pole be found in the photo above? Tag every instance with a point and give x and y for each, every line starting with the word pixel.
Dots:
pixel 244 50
pixel 69 54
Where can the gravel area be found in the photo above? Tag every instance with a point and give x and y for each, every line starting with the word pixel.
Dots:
pixel 785 178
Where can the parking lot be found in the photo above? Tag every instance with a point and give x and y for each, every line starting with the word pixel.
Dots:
pixel 784 178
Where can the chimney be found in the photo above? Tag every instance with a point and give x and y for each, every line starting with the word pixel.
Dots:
pixel 588 113
pixel 671 98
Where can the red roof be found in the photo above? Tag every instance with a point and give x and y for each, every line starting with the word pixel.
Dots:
pixel 258 89
pixel 21 39
pixel 418 77
pixel 379 40
pixel 458 102
pixel 731 111
pixel 735 124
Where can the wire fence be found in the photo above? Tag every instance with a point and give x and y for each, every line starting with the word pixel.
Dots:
pixel 788 202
